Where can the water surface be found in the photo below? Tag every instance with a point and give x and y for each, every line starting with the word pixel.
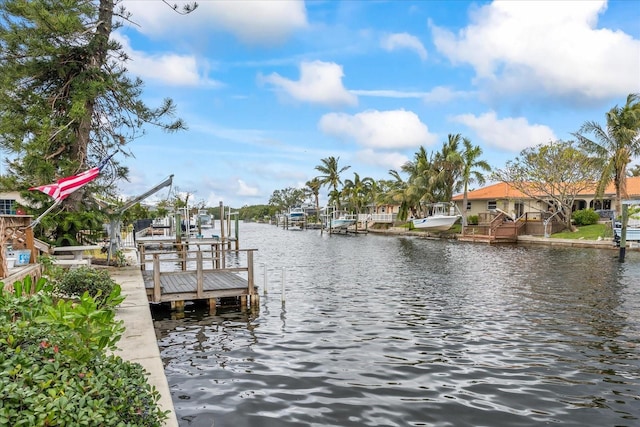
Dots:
pixel 396 331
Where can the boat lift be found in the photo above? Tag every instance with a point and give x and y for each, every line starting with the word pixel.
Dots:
pixel 623 227
pixel 115 237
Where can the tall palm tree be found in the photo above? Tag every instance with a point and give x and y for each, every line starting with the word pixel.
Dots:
pixel 448 165
pixel 331 176
pixel 470 172
pixel 616 145
pixel 396 194
pixel 314 186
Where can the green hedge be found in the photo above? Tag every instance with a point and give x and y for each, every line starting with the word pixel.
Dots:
pixel 57 366
pixel 585 217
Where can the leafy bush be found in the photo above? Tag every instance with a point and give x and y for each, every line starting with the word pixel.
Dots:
pixel 472 219
pixel 585 217
pixel 77 281
pixel 54 367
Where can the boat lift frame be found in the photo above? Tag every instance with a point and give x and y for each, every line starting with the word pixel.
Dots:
pixel 623 231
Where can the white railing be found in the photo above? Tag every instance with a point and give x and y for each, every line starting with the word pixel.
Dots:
pixel 385 218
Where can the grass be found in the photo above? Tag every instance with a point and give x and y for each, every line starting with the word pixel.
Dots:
pixel 586 232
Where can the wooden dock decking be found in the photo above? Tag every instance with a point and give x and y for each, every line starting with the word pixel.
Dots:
pixel 179 274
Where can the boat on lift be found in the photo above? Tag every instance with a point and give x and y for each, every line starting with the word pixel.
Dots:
pixel 441 217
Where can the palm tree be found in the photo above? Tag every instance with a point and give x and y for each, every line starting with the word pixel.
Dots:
pixel 420 184
pixel 358 192
pixel 314 186
pixel 396 194
pixel 470 172
pixel 615 146
pixel 331 177
pixel 448 165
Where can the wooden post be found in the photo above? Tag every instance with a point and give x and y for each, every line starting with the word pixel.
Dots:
pixel 252 290
pixel 216 261
pixel 183 256
pixel 157 290
pixel 213 303
pixel 255 300
pixel 30 245
pixel 237 231
pixel 143 266
pixel 221 222
pixel 623 232
pixel 199 276
pixel 223 260
pixel 177 306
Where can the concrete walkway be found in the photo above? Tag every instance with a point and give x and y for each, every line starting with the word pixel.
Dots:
pixel 139 343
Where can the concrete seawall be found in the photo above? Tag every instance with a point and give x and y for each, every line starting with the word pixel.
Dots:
pixel 532 240
pixel 139 343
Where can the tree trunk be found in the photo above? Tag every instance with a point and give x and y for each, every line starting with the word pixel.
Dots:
pixel 98 47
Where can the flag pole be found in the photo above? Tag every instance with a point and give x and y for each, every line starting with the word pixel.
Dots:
pixel 49 209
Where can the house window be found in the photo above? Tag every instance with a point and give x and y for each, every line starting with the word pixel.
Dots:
pixel 7 207
pixel 492 205
pixel 468 206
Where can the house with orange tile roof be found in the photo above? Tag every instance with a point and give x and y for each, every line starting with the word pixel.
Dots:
pixel 505 197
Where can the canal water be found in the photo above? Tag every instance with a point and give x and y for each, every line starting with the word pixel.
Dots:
pixel 403 331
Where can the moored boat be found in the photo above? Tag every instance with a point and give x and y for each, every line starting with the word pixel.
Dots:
pixel 633 233
pixel 342 220
pixel 296 214
pixel 441 218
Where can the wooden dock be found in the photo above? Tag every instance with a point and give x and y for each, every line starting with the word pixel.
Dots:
pixel 176 273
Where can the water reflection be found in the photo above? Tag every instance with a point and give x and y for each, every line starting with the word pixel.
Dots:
pixel 401 331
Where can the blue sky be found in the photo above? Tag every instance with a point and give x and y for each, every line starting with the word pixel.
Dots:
pixel 269 88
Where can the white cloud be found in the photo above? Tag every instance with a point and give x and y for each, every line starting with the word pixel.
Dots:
pixel 388 93
pixel 252 22
pixel 512 134
pixel 320 82
pixel 545 47
pixel 168 68
pixel 379 129
pixel 395 41
pixel 383 159
pixel 245 190
pixel 442 94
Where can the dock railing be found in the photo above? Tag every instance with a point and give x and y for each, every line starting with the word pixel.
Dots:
pixel 176 257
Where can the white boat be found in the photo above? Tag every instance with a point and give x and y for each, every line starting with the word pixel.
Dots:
pixel 441 218
pixel 296 214
pixel 342 220
pixel 633 233
pixel 202 219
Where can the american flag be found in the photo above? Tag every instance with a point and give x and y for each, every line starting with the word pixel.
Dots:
pixel 61 189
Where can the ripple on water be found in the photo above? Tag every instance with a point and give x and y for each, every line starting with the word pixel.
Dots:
pixel 387 331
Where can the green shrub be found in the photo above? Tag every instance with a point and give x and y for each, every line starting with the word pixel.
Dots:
pixel 77 281
pixel 54 366
pixel 472 220
pixel 585 217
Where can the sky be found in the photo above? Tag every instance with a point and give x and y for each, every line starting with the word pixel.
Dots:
pixel 269 88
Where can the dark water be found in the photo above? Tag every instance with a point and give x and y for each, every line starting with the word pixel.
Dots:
pixel 393 331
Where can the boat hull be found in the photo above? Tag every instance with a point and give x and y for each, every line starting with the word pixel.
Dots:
pixel 436 222
pixel 342 223
pixel 632 233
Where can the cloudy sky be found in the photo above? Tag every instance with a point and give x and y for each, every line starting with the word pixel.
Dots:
pixel 269 88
